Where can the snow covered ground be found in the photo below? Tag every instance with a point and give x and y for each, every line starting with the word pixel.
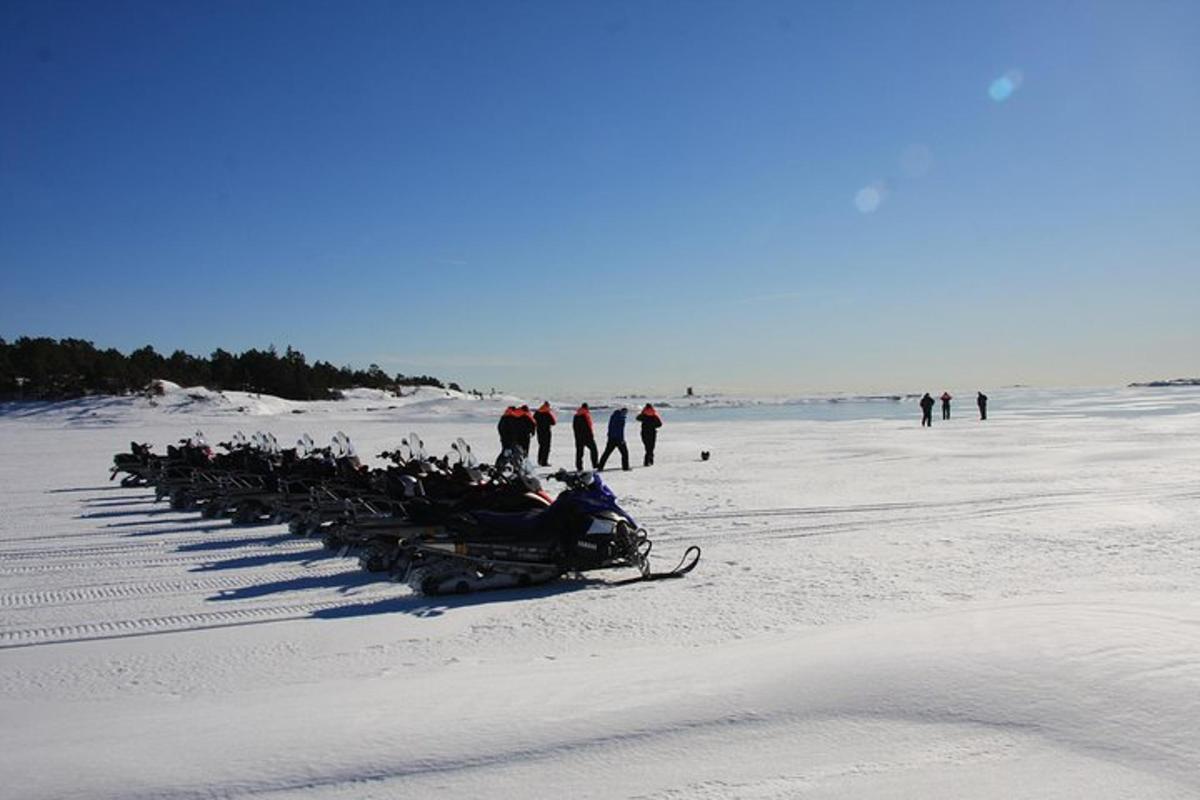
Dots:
pixel 993 610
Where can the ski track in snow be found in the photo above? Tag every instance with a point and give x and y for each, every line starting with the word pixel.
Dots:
pixel 999 610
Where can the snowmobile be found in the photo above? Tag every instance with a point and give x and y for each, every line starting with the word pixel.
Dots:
pixel 139 465
pixel 182 464
pixel 435 490
pixel 340 481
pixel 582 530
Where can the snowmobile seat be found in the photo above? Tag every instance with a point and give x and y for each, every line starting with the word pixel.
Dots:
pixel 508 524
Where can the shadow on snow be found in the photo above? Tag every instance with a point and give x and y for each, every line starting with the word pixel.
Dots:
pixel 303 556
pixel 230 544
pixel 429 607
pixel 341 581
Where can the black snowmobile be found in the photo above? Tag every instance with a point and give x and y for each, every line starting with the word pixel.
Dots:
pixel 139 465
pixel 583 529
pixel 435 490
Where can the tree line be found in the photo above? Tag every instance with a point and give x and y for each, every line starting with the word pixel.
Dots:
pixel 42 368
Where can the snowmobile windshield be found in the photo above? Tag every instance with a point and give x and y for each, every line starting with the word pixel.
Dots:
pixel 596 497
pixel 526 473
pixel 416 446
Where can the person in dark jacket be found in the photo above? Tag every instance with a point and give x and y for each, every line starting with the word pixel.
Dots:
pixel 585 437
pixel 544 420
pixel 505 428
pixel 981 401
pixel 616 438
pixel 523 428
pixel 946 398
pixel 651 422
pixel 927 411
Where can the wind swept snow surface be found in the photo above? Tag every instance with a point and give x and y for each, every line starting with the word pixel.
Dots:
pixel 993 610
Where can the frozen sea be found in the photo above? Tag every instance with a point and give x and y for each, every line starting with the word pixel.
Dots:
pixel 1005 609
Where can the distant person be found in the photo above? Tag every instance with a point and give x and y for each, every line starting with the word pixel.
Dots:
pixel 651 422
pixel 544 420
pixel 946 398
pixel 981 401
pixel 585 437
pixel 523 428
pixel 927 411
pixel 616 438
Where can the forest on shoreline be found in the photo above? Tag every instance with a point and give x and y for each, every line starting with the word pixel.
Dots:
pixel 42 368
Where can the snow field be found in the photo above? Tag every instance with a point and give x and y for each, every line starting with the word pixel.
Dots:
pixel 1005 609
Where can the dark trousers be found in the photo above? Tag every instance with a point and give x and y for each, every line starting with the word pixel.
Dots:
pixel 580 446
pixel 614 444
pixel 983 411
pixel 648 440
pixel 927 418
pixel 544 450
pixel 945 411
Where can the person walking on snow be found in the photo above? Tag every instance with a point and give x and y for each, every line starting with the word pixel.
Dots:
pixel 981 401
pixel 946 398
pixel 585 437
pixel 927 411
pixel 544 419
pixel 651 422
pixel 616 438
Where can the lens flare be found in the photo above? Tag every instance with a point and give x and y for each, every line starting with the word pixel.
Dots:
pixel 868 198
pixel 1003 87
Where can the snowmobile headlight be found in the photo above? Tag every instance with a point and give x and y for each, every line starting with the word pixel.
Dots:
pixel 601 527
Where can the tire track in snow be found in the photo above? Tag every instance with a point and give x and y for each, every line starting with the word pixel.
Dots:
pixel 886 515
pixel 120 591
pixel 184 560
pixel 285 545
pixel 176 623
pixel 802 511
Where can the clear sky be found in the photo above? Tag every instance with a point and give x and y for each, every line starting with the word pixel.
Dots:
pixel 759 196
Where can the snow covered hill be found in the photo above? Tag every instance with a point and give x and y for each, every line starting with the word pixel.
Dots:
pixel 993 610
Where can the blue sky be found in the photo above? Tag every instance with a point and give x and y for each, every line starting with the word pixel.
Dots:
pixel 753 196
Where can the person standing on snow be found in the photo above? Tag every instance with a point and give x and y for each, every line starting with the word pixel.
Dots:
pixel 981 401
pixel 927 411
pixel 585 437
pixel 616 438
pixel 505 427
pixel 544 419
pixel 523 428
pixel 946 398
pixel 651 422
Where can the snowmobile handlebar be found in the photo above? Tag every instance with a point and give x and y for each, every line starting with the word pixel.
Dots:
pixel 574 480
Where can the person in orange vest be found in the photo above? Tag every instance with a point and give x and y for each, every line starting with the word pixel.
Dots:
pixel 651 422
pixel 523 428
pixel 544 420
pixel 505 428
pixel 585 437
pixel 946 398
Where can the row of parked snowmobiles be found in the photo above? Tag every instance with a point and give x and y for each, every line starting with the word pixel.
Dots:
pixel 442 525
